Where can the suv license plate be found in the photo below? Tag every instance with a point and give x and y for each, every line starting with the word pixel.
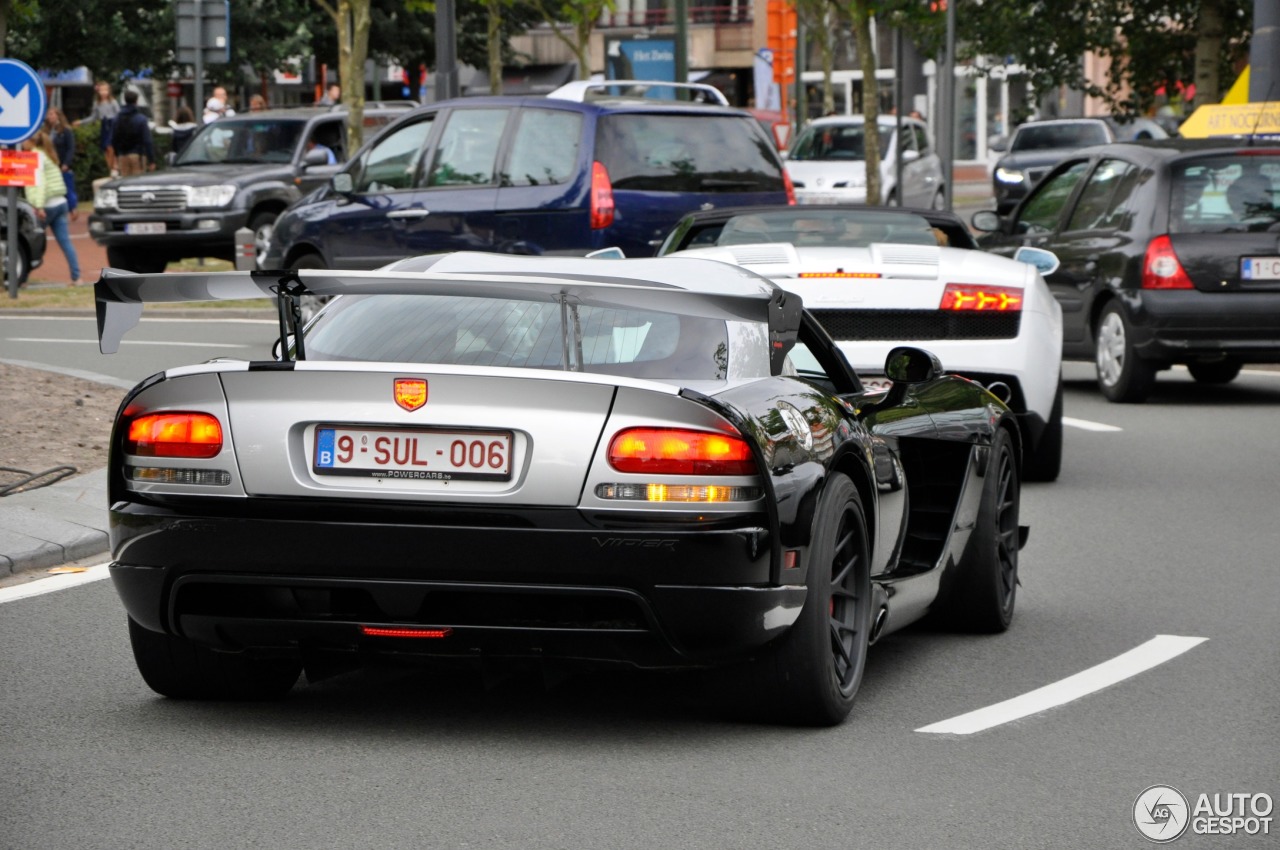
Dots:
pixel 1260 268
pixel 412 454
pixel 145 228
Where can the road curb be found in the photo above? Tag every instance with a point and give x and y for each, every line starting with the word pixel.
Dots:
pixel 48 526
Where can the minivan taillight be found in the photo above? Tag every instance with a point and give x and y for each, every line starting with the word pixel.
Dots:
pixel 601 197
pixel 1161 268
pixel 790 187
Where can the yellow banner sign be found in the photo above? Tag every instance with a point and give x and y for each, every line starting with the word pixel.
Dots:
pixel 1242 119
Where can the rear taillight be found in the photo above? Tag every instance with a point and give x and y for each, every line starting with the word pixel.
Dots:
pixel 1161 268
pixel 601 197
pixel 174 434
pixel 789 186
pixel 973 296
pixel 677 451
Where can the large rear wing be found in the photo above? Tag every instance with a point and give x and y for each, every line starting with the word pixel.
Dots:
pixel 723 291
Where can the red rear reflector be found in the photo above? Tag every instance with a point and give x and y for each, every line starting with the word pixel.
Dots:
pixel 676 451
pixel 789 186
pixel 790 559
pixel 974 296
pixel 376 631
pixel 196 435
pixel 601 197
pixel 1161 268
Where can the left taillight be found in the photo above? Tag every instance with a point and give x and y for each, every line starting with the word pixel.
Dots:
pixel 174 434
pixel 679 451
pixel 601 197
pixel 972 296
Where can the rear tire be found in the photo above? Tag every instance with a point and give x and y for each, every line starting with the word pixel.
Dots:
pixel 262 225
pixel 182 669
pixel 986 586
pixel 811 674
pixel 1214 373
pixel 1123 376
pixel 135 260
pixel 23 264
pixel 1045 462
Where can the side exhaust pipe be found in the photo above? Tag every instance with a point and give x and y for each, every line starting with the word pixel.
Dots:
pixel 1000 390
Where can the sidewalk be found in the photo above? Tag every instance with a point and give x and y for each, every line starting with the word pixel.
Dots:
pixel 52 525
pixel 92 256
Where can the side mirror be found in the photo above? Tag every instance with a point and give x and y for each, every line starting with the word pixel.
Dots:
pixel 315 157
pixel 611 253
pixel 342 183
pixel 169 159
pixel 999 144
pixel 907 365
pixel 1046 262
pixel 910 156
pixel 987 221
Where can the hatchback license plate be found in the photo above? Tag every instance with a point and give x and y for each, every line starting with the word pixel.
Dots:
pixel 412 454
pixel 145 228
pixel 1260 268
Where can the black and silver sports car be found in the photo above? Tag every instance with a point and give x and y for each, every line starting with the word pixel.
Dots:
pixel 664 463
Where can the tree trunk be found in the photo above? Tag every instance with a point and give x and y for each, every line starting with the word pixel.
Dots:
pixel 1208 51
pixel 353 20
pixel 870 100
pixel 826 52
pixel 495 46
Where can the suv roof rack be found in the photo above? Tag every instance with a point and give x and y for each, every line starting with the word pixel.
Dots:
pixel 584 91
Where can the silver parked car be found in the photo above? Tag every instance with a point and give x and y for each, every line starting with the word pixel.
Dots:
pixel 827 163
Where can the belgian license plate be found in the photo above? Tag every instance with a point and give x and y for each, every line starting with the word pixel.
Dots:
pixel 145 228
pixel 1260 268
pixel 818 198
pixel 412 454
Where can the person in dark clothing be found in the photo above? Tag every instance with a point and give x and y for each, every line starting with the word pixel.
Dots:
pixel 183 126
pixel 64 143
pixel 131 138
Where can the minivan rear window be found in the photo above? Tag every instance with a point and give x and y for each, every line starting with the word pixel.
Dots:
pixel 1225 194
pixel 687 153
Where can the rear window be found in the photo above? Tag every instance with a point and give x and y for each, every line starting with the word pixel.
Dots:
pixel 1226 194
pixel 1049 136
pixel 469 330
pixel 687 153
pixel 837 142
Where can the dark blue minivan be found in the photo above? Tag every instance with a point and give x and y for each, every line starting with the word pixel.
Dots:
pixel 530 175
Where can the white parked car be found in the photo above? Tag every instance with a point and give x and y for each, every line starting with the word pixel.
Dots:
pixel 827 163
pixel 877 278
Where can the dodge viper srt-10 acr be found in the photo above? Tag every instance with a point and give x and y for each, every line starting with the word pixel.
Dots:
pixel 660 462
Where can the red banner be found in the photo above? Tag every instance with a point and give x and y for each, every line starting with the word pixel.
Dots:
pixel 18 168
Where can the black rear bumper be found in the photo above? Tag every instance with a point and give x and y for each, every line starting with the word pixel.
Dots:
pixel 545 584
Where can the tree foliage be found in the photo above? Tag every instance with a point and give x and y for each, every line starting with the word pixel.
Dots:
pixel 110 37
pixel 581 15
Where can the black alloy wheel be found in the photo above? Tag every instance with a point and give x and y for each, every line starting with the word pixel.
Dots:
pixel 309 305
pixel 810 675
pixel 262 225
pixel 986 588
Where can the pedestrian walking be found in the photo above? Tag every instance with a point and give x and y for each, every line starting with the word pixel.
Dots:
pixel 183 126
pixel 131 138
pixel 105 109
pixel 64 143
pixel 49 197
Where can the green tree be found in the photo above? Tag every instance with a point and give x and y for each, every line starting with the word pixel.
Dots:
pixel 822 20
pixel 581 16
pixel 266 35
pixel 110 37
pixel 861 12
pixel 352 19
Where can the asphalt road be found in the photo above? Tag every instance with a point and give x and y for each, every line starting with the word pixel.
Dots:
pixel 1166 526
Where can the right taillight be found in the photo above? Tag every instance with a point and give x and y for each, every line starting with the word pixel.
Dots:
pixel 1161 268
pixel 174 434
pixel 680 451
pixel 601 197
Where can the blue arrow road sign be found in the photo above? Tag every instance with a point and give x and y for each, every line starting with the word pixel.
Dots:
pixel 22 102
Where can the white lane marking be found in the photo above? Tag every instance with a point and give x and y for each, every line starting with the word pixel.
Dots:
pixel 39 587
pixel 1086 425
pixel 128 342
pixel 1154 652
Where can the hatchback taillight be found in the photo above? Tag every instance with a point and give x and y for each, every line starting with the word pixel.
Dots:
pixel 1161 268
pixel 790 187
pixel 680 451
pixel 174 434
pixel 601 197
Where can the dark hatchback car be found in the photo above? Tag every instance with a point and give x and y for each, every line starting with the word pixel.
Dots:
pixel 1170 254
pixel 530 175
